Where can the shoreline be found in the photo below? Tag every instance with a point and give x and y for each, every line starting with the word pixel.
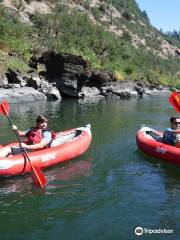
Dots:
pixel 28 94
pixel 56 76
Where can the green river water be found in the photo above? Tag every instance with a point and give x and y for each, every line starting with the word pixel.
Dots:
pixel 105 193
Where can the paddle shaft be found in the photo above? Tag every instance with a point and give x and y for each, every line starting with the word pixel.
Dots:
pixel 16 131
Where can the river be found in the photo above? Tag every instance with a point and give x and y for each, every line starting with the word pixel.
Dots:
pixel 105 193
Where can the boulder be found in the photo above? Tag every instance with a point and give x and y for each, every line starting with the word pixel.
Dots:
pixel 90 92
pixel 53 94
pixel 22 94
pixel 15 77
pixel 99 78
pixel 34 81
pixel 126 94
pixel 3 80
pixel 120 90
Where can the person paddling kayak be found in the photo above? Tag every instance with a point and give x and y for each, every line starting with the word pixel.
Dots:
pixel 38 137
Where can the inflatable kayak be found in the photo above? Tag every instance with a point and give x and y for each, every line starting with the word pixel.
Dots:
pixel 150 142
pixel 67 145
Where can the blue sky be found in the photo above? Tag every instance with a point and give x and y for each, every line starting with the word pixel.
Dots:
pixel 164 14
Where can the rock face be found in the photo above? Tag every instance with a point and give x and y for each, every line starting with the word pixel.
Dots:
pixel 55 76
pixel 74 78
pixel 53 93
pixel 66 70
pixel 120 90
pixel 27 87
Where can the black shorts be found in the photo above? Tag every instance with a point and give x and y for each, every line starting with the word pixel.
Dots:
pixel 18 150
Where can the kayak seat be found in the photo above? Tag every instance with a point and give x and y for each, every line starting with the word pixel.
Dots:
pixel 61 139
pixel 77 133
pixel 155 136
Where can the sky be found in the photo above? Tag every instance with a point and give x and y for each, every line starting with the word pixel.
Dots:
pixel 163 14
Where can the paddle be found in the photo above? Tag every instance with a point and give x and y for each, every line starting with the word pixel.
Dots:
pixel 37 174
pixel 174 99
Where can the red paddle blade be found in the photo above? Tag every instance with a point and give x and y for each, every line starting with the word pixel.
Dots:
pixel 4 108
pixel 38 176
pixel 174 99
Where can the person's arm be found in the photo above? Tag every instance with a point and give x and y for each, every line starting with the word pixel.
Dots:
pixel 177 134
pixel 177 131
pixel 177 145
pixel 36 146
pixel 44 142
pixel 21 133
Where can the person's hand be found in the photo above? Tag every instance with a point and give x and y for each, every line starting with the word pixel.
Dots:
pixel 14 127
pixel 177 131
pixel 23 145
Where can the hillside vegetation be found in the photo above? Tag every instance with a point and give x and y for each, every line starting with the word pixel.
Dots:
pixel 110 34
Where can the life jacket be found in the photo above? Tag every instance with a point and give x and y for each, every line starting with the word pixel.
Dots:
pixel 169 137
pixel 35 135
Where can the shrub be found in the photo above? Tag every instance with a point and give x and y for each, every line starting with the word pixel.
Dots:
pixel 96 13
pixel 17 64
pixel 119 75
pixel 127 15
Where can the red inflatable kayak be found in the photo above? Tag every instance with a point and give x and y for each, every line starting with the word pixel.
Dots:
pixel 68 145
pixel 149 141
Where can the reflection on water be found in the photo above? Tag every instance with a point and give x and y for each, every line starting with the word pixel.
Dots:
pixel 69 170
pixel 54 176
pixel 29 111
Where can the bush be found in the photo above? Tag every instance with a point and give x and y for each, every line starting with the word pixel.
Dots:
pixel 96 13
pixel 119 75
pixel 17 64
pixel 16 35
pixel 127 15
pixel 103 7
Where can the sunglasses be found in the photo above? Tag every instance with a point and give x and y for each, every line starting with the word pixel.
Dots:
pixel 176 123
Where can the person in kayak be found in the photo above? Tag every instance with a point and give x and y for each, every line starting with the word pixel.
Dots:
pixel 38 137
pixel 171 135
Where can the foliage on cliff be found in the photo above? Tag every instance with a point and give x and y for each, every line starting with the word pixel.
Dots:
pixel 111 34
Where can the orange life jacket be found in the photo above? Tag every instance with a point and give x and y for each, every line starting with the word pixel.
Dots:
pixel 35 135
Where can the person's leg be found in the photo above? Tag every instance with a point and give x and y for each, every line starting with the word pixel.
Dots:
pixel 4 152
pixel 17 150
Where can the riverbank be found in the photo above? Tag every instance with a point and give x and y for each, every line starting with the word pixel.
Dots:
pixel 55 76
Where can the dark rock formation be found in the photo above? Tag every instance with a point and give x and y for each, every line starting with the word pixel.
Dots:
pixel 64 69
pixel 54 75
